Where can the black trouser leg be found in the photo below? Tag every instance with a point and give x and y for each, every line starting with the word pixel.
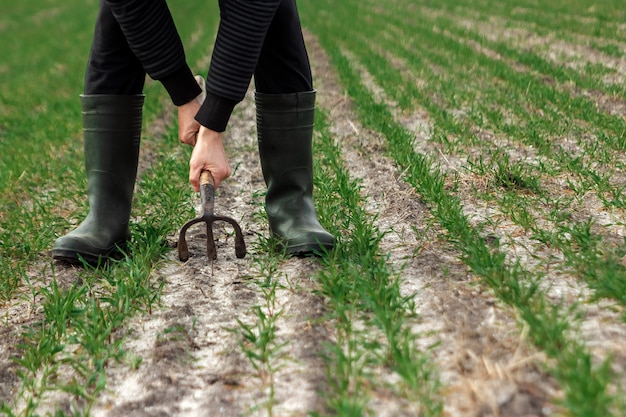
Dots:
pixel 112 68
pixel 283 65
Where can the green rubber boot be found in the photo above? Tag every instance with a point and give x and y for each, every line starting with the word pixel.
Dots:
pixel 112 131
pixel 285 131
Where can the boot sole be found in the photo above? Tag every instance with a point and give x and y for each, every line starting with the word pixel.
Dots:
pixel 307 249
pixel 79 258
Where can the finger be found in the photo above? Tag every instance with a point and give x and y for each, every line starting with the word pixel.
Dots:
pixel 189 138
pixel 194 178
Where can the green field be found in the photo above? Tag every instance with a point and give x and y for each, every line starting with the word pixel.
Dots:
pixel 470 156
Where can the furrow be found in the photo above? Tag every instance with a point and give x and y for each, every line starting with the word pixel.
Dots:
pixel 468 341
pixel 192 361
pixel 560 283
pixel 524 295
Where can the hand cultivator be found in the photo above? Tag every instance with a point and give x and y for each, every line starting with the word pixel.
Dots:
pixel 207 194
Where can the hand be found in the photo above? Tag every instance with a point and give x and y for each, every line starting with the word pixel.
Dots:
pixel 188 127
pixel 208 155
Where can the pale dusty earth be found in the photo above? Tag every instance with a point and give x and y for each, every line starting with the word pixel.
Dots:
pixel 485 363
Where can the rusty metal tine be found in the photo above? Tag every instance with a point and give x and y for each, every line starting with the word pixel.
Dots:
pixel 183 250
pixel 211 251
pixel 240 245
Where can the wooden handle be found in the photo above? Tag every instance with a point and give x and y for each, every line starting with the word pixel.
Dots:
pixel 206 178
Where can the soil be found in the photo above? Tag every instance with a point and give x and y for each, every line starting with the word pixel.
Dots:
pixel 191 363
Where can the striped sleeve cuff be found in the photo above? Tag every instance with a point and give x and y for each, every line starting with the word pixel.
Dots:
pixel 215 112
pixel 181 85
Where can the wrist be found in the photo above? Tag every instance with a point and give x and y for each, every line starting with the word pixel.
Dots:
pixel 209 136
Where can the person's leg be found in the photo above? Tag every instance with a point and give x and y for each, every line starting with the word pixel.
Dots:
pixel 283 66
pixel 285 104
pixel 112 67
pixel 112 113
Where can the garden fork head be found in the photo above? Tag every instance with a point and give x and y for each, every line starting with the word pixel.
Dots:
pixel 207 194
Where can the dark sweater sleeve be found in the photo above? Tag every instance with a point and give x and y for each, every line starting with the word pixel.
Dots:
pixel 151 34
pixel 242 30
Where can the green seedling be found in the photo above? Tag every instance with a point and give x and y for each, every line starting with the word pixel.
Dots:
pixel 506 280
pixel 362 288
